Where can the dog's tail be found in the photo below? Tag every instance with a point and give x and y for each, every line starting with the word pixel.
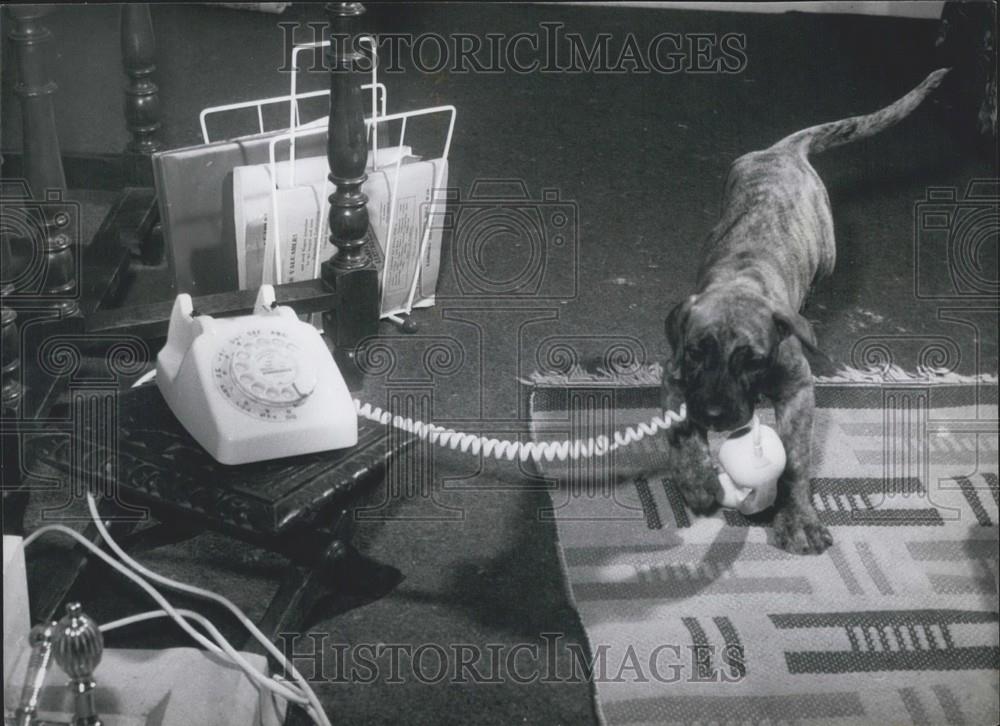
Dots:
pixel 825 136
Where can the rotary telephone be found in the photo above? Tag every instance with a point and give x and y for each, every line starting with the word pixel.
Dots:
pixel 256 387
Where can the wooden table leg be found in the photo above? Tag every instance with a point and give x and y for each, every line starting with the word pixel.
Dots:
pixel 342 580
pixel 327 568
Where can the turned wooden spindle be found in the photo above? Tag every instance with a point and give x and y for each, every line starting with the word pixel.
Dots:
pixel 350 273
pixel 35 88
pixel 43 166
pixel 142 95
pixel 60 286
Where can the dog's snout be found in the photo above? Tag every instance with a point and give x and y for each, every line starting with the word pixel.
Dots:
pixel 713 415
pixel 713 412
pixel 721 415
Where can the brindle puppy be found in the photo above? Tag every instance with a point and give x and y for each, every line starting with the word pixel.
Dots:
pixel 740 336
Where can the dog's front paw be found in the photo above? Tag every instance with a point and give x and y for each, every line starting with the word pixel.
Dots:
pixel 700 490
pixel 799 531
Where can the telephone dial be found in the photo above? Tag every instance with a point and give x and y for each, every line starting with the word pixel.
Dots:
pixel 256 387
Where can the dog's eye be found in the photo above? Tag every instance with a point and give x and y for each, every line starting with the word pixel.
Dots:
pixel 756 363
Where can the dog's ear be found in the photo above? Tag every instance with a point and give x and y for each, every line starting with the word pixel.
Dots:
pixel 789 322
pixel 675 324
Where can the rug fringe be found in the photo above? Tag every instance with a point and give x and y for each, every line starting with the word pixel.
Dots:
pixel 652 375
pixel 649 375
pixel 895 374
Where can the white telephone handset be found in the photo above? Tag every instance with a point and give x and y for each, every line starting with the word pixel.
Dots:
pixel 256 387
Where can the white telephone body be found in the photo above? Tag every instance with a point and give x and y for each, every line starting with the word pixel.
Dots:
pixel 256 387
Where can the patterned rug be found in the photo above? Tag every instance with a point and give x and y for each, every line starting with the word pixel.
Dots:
pixel 702 620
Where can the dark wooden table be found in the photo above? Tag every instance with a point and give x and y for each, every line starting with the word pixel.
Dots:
pixel 160 487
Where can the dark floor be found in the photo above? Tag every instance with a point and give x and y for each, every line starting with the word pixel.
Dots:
pixel 640 158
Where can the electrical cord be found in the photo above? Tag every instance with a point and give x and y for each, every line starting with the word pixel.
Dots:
pixel 154 614
pixel 316 710
pixel 273 685
pixel 220 647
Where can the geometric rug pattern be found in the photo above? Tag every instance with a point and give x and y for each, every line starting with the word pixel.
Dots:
pixel 703 620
